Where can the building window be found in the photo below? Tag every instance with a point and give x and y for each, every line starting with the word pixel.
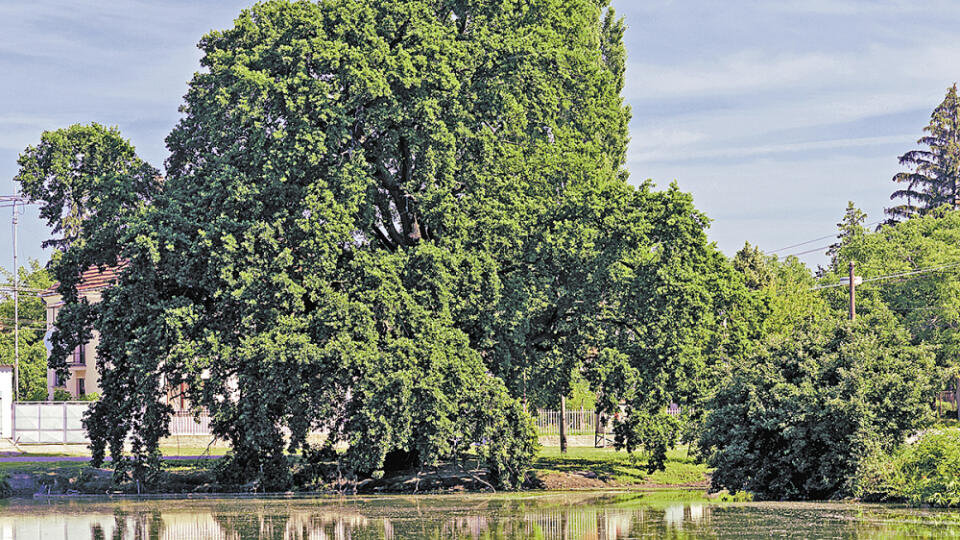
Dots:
pixel 80 355
pixel 61 381
pixel 81 387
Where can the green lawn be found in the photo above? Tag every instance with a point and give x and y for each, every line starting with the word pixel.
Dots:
pixel 170 447
pixel 39 467
pixel 621 468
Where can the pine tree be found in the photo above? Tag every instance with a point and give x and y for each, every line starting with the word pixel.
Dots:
pixel 849 229
pixel 935 174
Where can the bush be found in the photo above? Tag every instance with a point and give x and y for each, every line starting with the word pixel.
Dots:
pixel 927 472
pixel 798 421
pixel 60 394
pixel 250 472
pixel 5 489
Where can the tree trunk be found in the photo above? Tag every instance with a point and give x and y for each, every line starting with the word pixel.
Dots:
pixel 600 438
pixel 563 424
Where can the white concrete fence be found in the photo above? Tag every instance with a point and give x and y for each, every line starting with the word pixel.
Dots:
pixel 62 422
pixel 49 423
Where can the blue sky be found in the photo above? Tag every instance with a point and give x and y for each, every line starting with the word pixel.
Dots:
pixel 773 114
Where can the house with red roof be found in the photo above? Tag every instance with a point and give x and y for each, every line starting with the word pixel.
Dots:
pixel 84 378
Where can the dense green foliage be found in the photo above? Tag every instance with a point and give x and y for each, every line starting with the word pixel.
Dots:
pixel 795 416
pixel 33 317
pixel 795 422
pixel 402 223
pixel 391 221
pixel 928 303
pixel 91 186
pixel 934 178
pixel 816 399
pixel 922 473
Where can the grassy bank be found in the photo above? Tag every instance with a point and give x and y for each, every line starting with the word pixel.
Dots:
pixel 615 469
pixel 580 468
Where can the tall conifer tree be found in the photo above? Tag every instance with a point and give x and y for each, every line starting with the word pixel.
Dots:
pixel 934 179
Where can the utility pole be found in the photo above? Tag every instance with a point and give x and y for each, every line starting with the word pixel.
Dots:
pixel 16 310
pixel 15 201
pixel 853 293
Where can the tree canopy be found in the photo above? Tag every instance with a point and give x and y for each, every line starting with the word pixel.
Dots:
pixel 796 420
pixel 926 303
pixel 934 178
pixel 33 321
pixel 393 222
pixel 796 415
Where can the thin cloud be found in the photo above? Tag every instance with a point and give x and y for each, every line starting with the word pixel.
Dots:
pixel 755 72
pixel 769 149
pixel 858 8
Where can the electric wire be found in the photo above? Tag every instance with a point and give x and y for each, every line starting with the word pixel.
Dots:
pixel 827 237
pixel 814 250
pixel 916 272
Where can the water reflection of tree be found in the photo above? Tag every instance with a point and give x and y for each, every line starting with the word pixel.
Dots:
pixel 577 523
pixel 872 523
pixel 147 525
pixel 393 519
pixel 289 523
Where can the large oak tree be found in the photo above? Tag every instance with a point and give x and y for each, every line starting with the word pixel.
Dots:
pixel 390 221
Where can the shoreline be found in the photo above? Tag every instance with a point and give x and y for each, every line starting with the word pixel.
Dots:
pixel 581 469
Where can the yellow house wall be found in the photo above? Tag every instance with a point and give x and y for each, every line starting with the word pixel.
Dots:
pixel 88 372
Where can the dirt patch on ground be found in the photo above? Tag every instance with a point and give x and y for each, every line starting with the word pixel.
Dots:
pixel 443 479
pixel 558 480
pixel 570 480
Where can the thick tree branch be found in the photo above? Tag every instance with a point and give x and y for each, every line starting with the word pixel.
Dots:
pixel 382 238
pixel 386 219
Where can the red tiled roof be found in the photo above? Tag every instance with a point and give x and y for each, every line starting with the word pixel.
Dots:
pixel 91 280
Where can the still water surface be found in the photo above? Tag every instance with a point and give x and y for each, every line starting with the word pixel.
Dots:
pixel 551 516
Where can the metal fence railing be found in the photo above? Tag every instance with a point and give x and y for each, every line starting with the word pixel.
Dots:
pixel 185 423
pixel 579 421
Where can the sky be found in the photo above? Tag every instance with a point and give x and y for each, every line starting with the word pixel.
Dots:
pixel 773 114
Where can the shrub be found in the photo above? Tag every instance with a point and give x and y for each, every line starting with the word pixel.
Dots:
pixel 60 394
pixel 5 489
pixel 927 472
pixel 798 421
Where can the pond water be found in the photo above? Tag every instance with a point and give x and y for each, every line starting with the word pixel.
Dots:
pixel 549 516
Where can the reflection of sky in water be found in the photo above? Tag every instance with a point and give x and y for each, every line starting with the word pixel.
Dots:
pixel 596 518
pixel 676 516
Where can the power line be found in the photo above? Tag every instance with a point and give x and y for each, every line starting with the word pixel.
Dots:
pixel 913 272
pixel 814 250
pixel 829 236
pixel 892 276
